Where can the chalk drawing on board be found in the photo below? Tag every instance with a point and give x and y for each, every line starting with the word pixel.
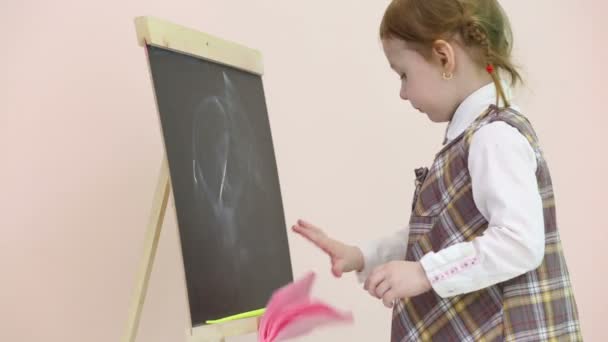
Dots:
pixel 221 177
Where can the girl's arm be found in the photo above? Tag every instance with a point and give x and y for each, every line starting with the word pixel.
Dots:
pixel 503 166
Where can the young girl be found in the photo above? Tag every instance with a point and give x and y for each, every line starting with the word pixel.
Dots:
pixel 481 258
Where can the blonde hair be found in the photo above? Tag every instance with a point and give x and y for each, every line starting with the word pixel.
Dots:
pixel 482 24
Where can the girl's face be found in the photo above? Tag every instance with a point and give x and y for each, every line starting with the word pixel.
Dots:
pixel 422 80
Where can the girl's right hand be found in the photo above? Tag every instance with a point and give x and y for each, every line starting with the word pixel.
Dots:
pixel 344 258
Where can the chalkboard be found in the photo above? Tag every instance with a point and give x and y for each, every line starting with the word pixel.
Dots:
pixel 225 183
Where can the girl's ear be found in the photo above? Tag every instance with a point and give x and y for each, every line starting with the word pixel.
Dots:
pixel 443 52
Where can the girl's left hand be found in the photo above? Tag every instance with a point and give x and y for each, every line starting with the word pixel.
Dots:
pixel 397 279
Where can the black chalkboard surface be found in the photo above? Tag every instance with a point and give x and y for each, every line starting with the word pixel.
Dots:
pixel 225 183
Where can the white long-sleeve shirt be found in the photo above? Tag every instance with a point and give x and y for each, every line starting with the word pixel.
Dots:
pixel 502 165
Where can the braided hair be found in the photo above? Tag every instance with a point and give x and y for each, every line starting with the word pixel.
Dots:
pixel 482 25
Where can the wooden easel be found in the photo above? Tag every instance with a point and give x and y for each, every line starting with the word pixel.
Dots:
pixel 156 32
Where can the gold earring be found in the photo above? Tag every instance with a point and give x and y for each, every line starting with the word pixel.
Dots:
pixel 447 76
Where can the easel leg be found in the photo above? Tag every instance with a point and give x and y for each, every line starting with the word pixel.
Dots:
pixel 161 197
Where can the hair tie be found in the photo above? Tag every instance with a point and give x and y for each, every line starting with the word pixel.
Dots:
pixel 490 68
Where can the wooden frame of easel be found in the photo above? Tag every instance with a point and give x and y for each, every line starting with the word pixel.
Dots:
pixel 160 33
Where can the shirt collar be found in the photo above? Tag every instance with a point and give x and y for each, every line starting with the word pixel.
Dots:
pixel 473 106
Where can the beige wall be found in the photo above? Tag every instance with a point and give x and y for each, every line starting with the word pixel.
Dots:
pixel 80 147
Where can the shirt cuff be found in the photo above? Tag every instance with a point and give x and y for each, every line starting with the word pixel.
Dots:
pixel 382 250
pixel 446 269
pixel 370 261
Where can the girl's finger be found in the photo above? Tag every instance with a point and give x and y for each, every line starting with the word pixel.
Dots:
pixel 337 267
pixel 372 274
pixel 309 229
pixel 319 240
pixel 389 299
pixel 382 288
pixel 308 225
pixel 374 279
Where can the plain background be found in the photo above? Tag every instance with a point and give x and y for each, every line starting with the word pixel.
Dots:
pixel 81 148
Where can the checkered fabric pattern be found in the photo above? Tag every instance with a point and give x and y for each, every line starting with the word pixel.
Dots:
pixel 536 306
